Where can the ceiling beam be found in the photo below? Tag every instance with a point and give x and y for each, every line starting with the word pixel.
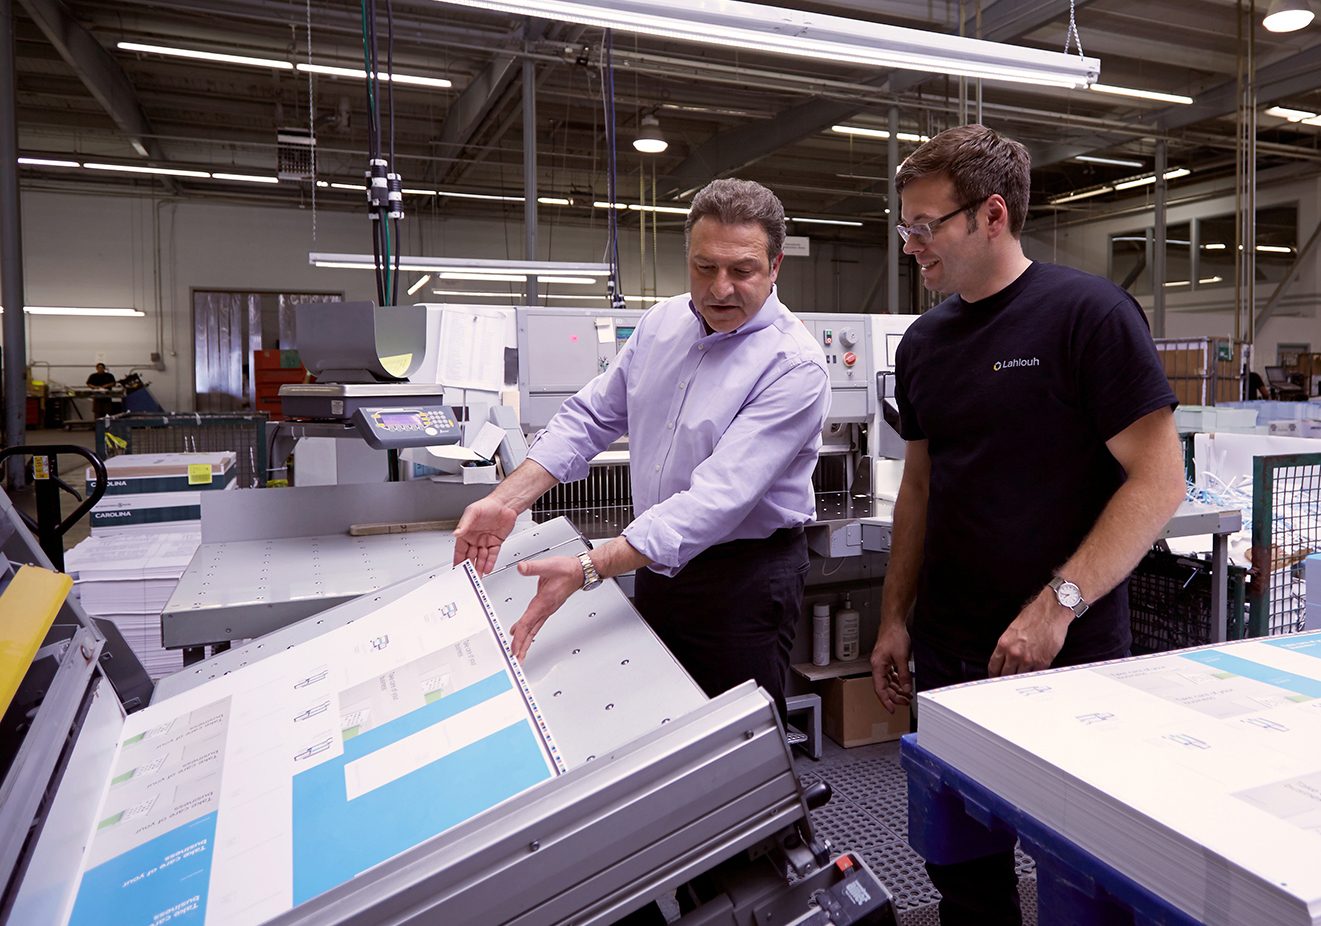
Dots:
pixel 1276 81
pixel 474 105
pixel 98 71
pixel 737 147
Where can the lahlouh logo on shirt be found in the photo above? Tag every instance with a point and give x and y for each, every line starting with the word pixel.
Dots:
pixel 1016 362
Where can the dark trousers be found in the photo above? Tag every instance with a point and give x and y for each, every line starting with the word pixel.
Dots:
pixel 982 891
pixel 730 614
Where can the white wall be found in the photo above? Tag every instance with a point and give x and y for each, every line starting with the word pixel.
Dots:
pixel 103 251
pixel 1207 312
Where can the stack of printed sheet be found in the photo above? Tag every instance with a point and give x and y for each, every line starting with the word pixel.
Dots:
pixel 154 491
pixel 1196 773
pixel 127 577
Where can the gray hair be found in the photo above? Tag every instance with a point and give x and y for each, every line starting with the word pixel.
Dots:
pixel 738 202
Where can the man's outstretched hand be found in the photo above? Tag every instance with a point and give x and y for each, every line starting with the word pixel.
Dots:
pixel 485 525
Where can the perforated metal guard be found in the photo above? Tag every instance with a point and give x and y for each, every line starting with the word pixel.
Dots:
pixel 868 814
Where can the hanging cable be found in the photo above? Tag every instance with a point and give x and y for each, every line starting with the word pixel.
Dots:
pixel 384 185
pixel 615 290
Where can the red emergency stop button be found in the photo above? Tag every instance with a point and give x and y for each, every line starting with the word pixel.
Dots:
pixel 850 359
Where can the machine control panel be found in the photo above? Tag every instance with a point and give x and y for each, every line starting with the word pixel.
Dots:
pixel 397 428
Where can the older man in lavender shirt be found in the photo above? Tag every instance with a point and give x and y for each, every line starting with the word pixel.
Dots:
pixel 723 394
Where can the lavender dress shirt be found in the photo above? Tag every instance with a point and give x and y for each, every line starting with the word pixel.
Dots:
pixel 723 429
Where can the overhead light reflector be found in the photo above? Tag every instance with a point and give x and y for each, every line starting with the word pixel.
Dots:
pixel 1288 16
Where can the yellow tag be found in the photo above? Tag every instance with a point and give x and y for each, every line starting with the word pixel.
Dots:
pixel 199 474
pixel 40 467
pixel 115 440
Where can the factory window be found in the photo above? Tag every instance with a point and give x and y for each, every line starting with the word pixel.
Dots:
pixel 1128 262
pixel 1130 254
pixel 1276 249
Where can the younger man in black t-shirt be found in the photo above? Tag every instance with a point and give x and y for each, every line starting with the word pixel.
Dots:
pixel 1042 459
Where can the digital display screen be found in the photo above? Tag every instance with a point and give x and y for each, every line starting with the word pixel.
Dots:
pixel 624 332
pixel 397 419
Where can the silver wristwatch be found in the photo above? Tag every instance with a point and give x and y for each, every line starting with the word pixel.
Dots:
pixel 591 578
pixel 1069 595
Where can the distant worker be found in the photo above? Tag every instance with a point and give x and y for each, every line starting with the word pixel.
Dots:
pixel 1257 386
pixel 102 378
pixel 723 393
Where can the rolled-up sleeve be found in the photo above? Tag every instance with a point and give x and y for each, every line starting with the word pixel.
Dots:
pixel 778 429
pixel 587 423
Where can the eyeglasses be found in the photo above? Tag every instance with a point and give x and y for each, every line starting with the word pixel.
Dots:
pixel 923 231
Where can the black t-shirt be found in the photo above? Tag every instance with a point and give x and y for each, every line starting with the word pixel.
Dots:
pixel 1016 396
pixel 97 380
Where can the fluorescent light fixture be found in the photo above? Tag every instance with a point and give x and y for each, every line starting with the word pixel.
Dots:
pixel 333 71
pixel 637 207
pixel 521 268
pixel 1293 115
pixel 279 65
pixel 865 132
pixel 206 56
pixel 415 192
pixel 78 310
pixel 246 178
pixel 135 169
pixel 512 277
pixel 1202 282
pixel 1274 249
pixel 1143 94
pixel 486 196
pixel 421 281
pixel 669 210
pixel 569 297
pixel 348 186
pixel 1151 178
pixel 1215 246
pixel 1288 16
pixel 756 27
pixel 47 162
pixel 1080 194
pixel 798 218
pixel 1116 162
pixel 323 183
pixel 553 201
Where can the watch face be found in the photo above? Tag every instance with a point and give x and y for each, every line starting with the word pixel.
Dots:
pixel 1068 594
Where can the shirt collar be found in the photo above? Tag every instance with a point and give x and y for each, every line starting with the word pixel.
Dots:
pixel 770 310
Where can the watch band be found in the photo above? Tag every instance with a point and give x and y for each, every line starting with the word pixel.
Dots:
pixel 591 578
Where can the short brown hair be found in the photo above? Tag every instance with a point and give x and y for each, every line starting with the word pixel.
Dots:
pixel 980 162
pixel 738 202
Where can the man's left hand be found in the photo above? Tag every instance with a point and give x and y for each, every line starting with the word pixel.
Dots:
pixel 558 577
pixel 1034 639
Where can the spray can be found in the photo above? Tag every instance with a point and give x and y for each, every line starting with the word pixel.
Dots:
pixel 821 634
pixel 846 632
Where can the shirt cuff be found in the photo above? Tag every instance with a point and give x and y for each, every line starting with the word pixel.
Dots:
pixel 657 541
pixel 558 457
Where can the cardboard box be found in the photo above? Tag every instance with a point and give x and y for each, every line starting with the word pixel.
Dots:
pixel 853 716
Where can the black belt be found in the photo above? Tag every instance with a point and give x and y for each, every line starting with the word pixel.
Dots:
pixel 781 537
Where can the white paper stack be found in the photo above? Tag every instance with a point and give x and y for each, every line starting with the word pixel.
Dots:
pixel 1196 774
pixel 128 577
pixel 147 490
